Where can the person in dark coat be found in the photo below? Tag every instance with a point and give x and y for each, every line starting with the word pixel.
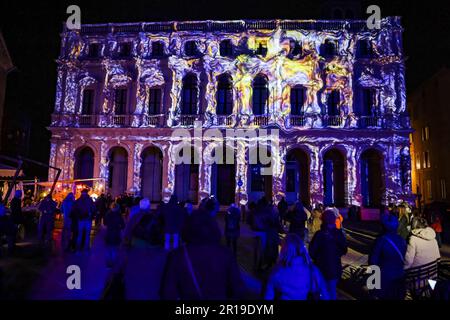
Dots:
pixel 326 248
pixel 173 215
pixel 16 208
pixel 101 206
pixel 66 208
pixel 84 210
pixel 297 218
pixel 47 207
pixel 282 209
pixel 232 227
pixel 7 229
pixel 388 253
pixel 203 268
pixel 114 225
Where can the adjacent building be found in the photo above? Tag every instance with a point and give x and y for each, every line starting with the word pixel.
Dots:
pixel 334 89
pixel 430 118
pixel 6 66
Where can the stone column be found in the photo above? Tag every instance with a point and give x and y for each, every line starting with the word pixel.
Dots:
pixel 316 176
pixel 137 163
pixel 353 191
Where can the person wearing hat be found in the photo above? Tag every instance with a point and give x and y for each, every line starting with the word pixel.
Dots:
pixel 326 248
pixel 388 253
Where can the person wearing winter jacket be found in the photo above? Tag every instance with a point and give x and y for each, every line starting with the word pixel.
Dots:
pixel 84 210
pixel 47 207
pixel 114 223
pixel 173 216
pixel 388 253
pixel 297 218
pixel 294 276
pixel 422 247
pixel 232 227
pixel 66 208
pixel 326 249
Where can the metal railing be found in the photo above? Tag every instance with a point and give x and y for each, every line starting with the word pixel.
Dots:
pixel 223 120
pixel 370 122
pixel 333 121
pixel 261 120
pixel 188 119
pixel 297 121
pixel 120 120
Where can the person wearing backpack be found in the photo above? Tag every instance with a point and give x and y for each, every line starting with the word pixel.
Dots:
pixel 84 209
pixel 389 254
pixel 232 227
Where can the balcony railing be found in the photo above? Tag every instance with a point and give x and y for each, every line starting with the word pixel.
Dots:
pixel 297 121
pixel 225 120
pixel 370 122
pixel 188 120
pixel 120 120
pixel 261 120
pixel 333 121
pixel 152 120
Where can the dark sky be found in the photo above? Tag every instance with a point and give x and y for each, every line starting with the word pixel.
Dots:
pixel 31 31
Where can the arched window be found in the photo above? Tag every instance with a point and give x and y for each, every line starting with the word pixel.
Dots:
pixel 224 95
pixel 84 164
pixel 189 94
pixel 260 94
pixel 333 103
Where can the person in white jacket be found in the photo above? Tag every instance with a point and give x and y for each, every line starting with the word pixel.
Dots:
pixel 422 247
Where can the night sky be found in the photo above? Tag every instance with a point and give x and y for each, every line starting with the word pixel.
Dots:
pixel 31 32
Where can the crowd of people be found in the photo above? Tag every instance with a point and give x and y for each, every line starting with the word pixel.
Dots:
pixel 175 251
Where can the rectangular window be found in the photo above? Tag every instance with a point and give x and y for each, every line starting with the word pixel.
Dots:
pixel 418 161
pixel 125 50
pixel 157 49
pixel 364 49
pixel 443 189
pixel 120 101
pixel 94 50
pixel 426 160
pixel 429 190
pixel 333 103
pixel 190 48
pixel 226 48
pixel 88 102
pixel 257 179
pixel 261 48
pixel 297 100
pixel 368 101
pixel 154 101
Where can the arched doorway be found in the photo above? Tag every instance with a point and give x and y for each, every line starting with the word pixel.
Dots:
pixel 151 174
pixel 334 180
pixel 297 176
pixel 187 178
pixel 223 178
pixel 259 184
pixel 118 167
pixel 371 178
pixel 84 164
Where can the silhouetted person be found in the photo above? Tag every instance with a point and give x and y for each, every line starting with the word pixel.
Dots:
pixel 173 215
pixel 389 254
pixel 66 208
pixel 47 207
pixel 326 249
pixel 84 210
pixel 202 269
pixel 232 227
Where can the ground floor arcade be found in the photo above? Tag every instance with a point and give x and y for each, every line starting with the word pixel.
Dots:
pixel 334 167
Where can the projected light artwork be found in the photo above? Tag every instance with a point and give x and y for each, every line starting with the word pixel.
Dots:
pixel 334 91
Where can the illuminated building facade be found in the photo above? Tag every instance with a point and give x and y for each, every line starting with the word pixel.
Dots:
pixel 334 89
